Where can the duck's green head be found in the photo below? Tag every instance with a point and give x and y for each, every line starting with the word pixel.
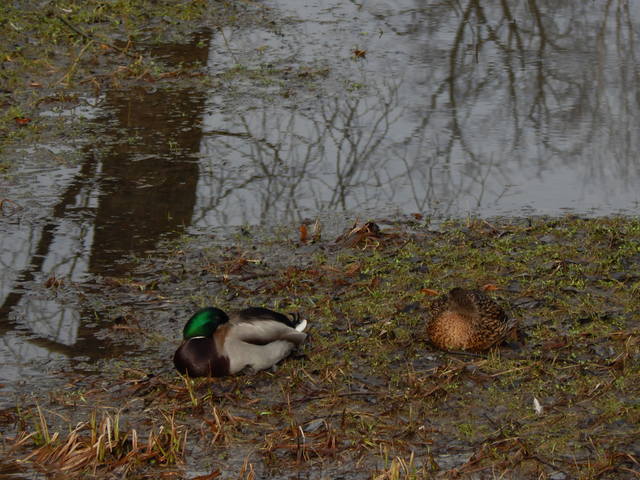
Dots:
pixel 204 322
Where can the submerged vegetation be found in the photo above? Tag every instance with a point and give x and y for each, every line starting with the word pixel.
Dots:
pixel 57 54
pixel 371 398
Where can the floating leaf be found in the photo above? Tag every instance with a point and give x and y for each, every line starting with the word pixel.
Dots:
pixel 358 53
pixel 53 282
pixel 304 233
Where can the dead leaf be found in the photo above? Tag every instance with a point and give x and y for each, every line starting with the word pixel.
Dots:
pixel 358 53
pixel 53 282
pixel 22 121
pixel 304 233
pixel 353 269
pixel 555 344
pixel 235 265
pixel 8 207
pixel 211 476
pixel 317 231
pixel 429 291
pixel 357 234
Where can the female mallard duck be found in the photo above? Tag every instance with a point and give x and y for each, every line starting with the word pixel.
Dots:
pixel 467 320
pixel 216 344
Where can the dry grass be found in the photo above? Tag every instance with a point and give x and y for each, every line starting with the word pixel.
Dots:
pixel 102 446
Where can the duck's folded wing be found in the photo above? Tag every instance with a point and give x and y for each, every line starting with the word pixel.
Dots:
pixel 437 307
pixel 262 332
pixel 260 313
pixel 511 325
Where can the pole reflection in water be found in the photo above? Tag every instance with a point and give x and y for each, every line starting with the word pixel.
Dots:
pixel 129 191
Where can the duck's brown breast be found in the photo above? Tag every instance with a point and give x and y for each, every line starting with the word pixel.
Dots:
pixel 451 331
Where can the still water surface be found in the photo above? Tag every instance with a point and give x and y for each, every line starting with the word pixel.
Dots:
pixel 451 109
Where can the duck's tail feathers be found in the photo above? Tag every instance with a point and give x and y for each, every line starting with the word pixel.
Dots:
pixel 302 325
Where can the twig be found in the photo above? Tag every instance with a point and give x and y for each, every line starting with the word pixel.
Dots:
pixel 91 39
pixel 467 354
pixel 69 74
pixel 235 59
pixel 227 133
pixel 344 394
pixel 544 462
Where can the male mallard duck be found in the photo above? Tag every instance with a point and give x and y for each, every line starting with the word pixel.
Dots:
pixel 216 344
pixel 467 320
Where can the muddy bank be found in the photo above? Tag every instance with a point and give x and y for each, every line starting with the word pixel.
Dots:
pixel 370 397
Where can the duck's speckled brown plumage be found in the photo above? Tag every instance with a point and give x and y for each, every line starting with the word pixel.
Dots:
pixel 467 320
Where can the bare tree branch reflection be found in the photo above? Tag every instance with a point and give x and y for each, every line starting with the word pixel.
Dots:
pixel 508 88
pixel 305 160
pixel 503 99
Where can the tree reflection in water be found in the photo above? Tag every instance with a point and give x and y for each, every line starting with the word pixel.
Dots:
pixel 490 109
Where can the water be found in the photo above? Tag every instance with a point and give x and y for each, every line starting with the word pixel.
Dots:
pixel 455 109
